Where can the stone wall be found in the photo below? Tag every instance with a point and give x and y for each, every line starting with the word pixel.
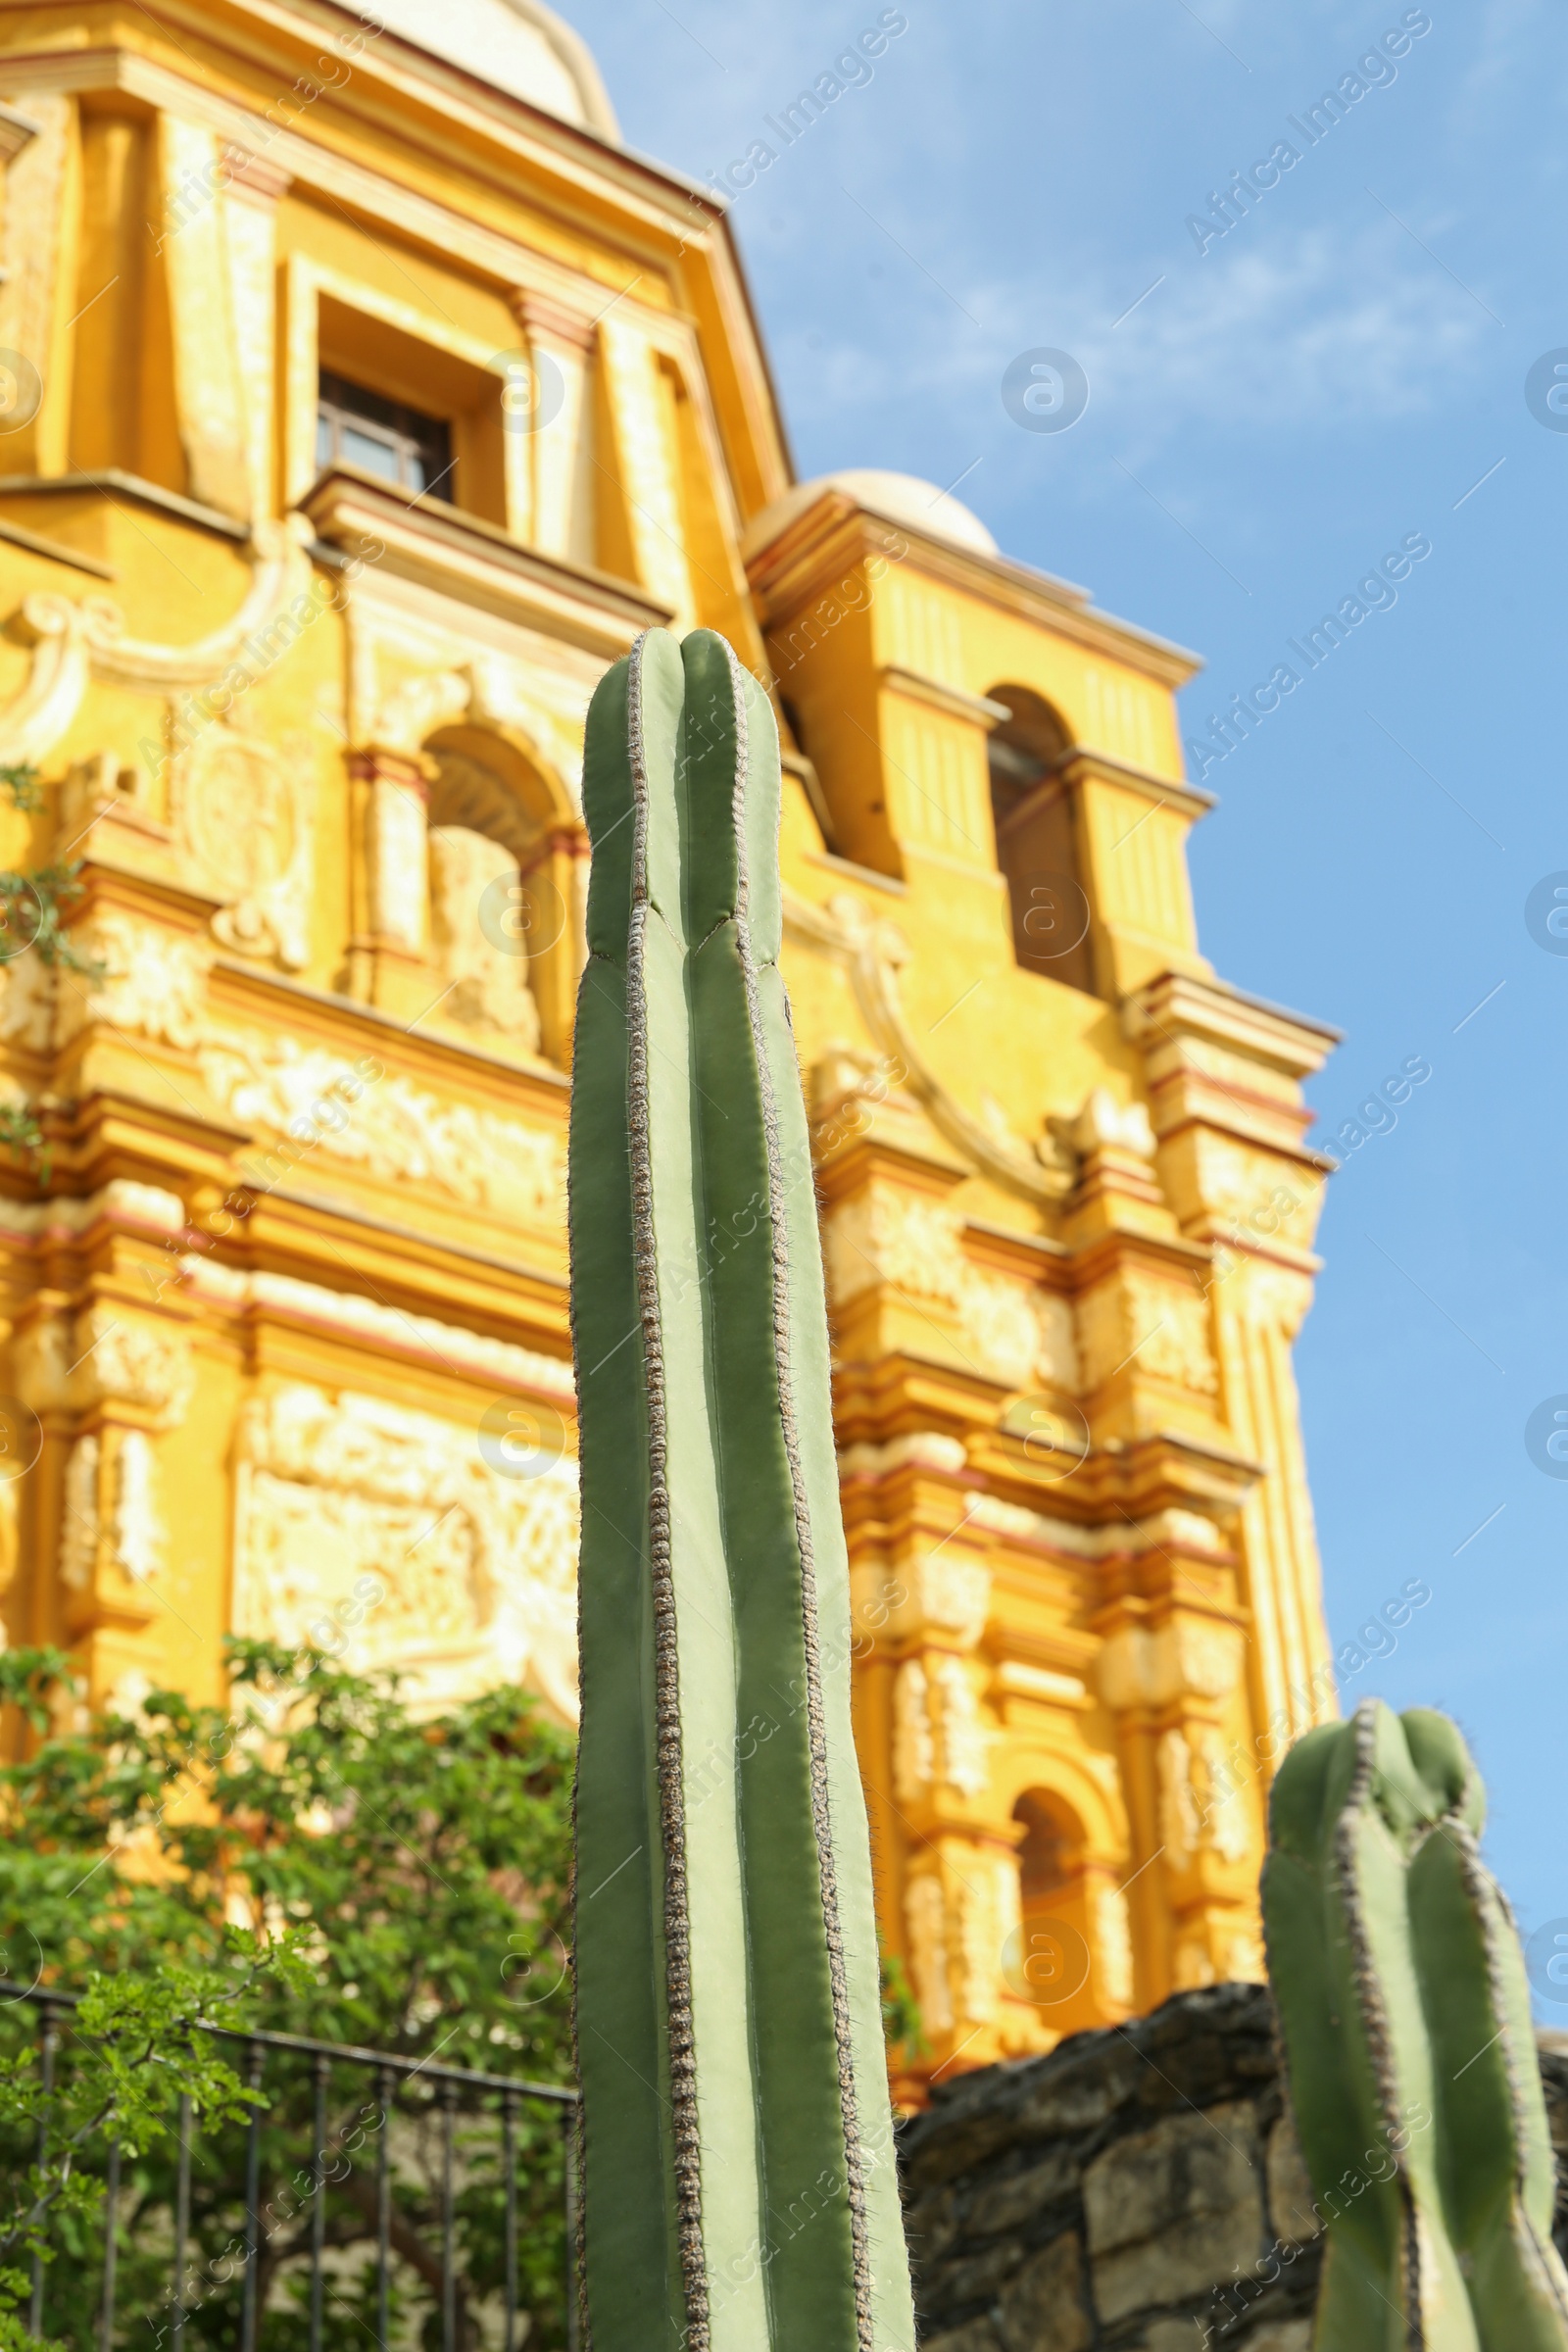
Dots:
pixel 1138 2191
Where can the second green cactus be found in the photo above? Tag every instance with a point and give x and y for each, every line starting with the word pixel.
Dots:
pixel 1405 2018
pixel 740 2192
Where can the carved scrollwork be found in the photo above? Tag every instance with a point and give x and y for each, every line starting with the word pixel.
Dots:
pixel 874 952
pixel 77 639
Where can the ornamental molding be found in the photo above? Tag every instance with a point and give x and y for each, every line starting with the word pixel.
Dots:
pixel 77 639
pixel 359 1317
pixel 243 813
pixel 314 1100
pixel 874 952
pixel 107 1356
pixel 1180 1659
pixel 384 1536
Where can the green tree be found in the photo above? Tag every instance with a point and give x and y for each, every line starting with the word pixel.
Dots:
pixel 414 1872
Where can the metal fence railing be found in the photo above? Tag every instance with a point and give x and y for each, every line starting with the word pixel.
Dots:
pixel 431 2206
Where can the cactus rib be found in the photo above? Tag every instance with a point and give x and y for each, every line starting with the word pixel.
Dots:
pixel 1402 1995
pixel 821 1813
pixel 677 1922
pixel 738 2191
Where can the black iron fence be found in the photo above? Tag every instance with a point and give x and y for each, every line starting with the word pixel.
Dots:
pixel 402 2203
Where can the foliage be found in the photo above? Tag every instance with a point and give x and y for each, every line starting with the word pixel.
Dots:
pixel 901 2022
pixel 414 1873
pixel 31 906
pixel 138 2049
pixel 22 1135
pixel 19 780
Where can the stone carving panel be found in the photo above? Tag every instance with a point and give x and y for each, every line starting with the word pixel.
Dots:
pixel 925 1920
pixel 965 1740
pixel 487 984
pixel 914 1743
pixel 1113 1944
pixel 153 983
pixel 244 820
pixel 394 1129
pixel 384 1534
pixel 1160 1327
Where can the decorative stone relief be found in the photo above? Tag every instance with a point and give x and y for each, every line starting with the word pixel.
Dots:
pixel 154 982
pixel 1137 1667
pixel 79 1533
pixel 487 985
pixel 925 1920
pixel 952 1596
pixel 28 1003
pixel 1245 1963
pixel 874 950
pixel 1018 1334
pixel 914 1746
pixel 965 1740
pixel 1224 1816
pixel 1021 1335
pixel 1103 1124
pixel 138 1539
pixel 244 817
pixel 107 1356
pixel 985 1918
pixel 395 1129
pixel 371 1318
pixel 1198 1806
pixel 138 1534
pixel 121 1360
pixel 885 1235
pixel 413 710
pixel 1160 1326
pixel 1192 1965
pixel 1113 1934
pixel 398 861
pixel 74 640
pixel 384 1534
pixel 1180 1817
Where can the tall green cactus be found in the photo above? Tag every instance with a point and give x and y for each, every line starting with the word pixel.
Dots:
pixel 1405 2018
pixel 739 2183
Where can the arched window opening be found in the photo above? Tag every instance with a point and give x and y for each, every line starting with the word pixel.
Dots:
pixel 486 849
pixel 1050 1856
pixel 1036 845
pixel 1052 1967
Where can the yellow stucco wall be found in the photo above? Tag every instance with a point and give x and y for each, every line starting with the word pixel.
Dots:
pixel 294 1253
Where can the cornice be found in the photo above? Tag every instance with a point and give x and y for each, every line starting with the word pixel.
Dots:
pixel 654 222
pixel 110 483
pixel 836 533
pixel 954 701
pixel 437 1053
pixel 1081 761
pixel 474 562
pixel 1178 1003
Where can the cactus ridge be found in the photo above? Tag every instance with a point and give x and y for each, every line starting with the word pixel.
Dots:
pixel 677 1922
pixel 739 2185
pixel 1374 2013
pixel 821 1810
pixel 1404 2015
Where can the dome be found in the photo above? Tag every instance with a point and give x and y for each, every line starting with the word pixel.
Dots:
pixel 899 497
pixel 518 46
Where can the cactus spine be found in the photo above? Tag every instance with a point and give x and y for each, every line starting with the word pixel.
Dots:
pixel 739 2183
pixel 1405 2018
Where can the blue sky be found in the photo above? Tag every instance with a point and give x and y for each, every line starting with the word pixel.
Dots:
pixel 1345 366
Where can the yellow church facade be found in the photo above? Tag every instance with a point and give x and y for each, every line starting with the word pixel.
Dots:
pixel 359 406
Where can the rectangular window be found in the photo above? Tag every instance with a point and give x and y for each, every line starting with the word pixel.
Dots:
pixel 354 426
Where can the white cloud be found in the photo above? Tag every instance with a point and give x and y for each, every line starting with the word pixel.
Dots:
pixel 1265 341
